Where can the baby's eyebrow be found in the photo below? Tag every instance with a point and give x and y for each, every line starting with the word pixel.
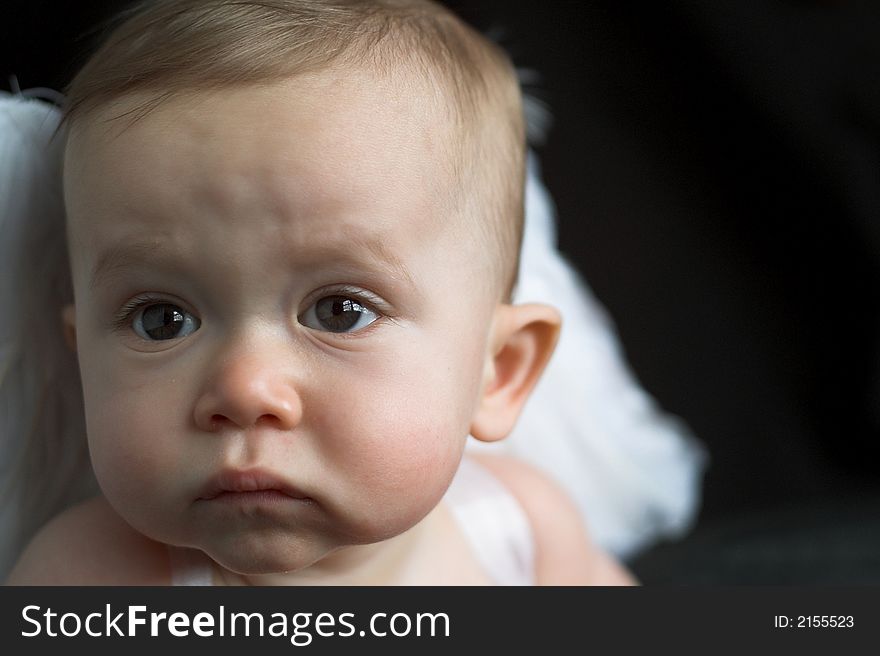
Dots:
pixel 379 250
pixel 122 256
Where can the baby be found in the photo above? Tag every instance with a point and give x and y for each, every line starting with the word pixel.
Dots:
pixel 294 231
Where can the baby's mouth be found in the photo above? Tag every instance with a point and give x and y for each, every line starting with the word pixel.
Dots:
pixel 250 484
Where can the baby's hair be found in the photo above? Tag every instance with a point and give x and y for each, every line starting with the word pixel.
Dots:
pixel 165 48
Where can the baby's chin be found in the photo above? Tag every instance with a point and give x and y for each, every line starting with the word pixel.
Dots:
pixel 304 558
pixel 261 554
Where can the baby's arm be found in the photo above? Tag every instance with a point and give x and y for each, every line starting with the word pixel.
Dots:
pixel 89 544
pixel 564 553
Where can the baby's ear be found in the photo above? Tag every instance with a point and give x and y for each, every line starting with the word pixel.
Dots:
pixel 68 325
pixel 522 341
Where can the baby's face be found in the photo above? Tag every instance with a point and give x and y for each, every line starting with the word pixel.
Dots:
pixel 272 294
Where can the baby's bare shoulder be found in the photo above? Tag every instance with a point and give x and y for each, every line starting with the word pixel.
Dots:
pixel 565 553
pixel 89 544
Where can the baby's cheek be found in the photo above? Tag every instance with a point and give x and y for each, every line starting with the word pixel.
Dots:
pixel 396 443
pixel 128 440
pixel 136 465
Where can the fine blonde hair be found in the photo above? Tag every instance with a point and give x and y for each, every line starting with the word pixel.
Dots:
pixel 169 47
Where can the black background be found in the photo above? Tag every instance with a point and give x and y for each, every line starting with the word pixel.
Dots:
pixel 716 167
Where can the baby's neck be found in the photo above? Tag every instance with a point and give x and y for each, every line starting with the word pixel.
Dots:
pixel 399 560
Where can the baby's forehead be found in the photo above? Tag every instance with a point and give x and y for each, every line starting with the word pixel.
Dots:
pixel 374 121
pixel 347 148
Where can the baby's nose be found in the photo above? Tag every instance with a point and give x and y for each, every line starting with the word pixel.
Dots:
pixel 246 392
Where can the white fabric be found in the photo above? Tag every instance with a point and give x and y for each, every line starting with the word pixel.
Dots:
pixel 17 128
pixel 189 567
pixel 31 208
pixel 495 525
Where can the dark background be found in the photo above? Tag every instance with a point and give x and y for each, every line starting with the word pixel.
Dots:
pixel 716 167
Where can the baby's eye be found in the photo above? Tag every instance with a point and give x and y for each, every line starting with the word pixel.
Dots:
pixel 163 321
pixel 337 314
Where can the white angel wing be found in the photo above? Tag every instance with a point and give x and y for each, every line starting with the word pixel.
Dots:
pixel 43 460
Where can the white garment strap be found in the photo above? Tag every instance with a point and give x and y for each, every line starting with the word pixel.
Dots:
pixel 189 567
pixel 494 524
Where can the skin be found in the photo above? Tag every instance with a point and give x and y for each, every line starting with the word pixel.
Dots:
pixel 242 227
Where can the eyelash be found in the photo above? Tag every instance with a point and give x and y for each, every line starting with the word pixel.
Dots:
pixel 122 320
pixel 362 296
